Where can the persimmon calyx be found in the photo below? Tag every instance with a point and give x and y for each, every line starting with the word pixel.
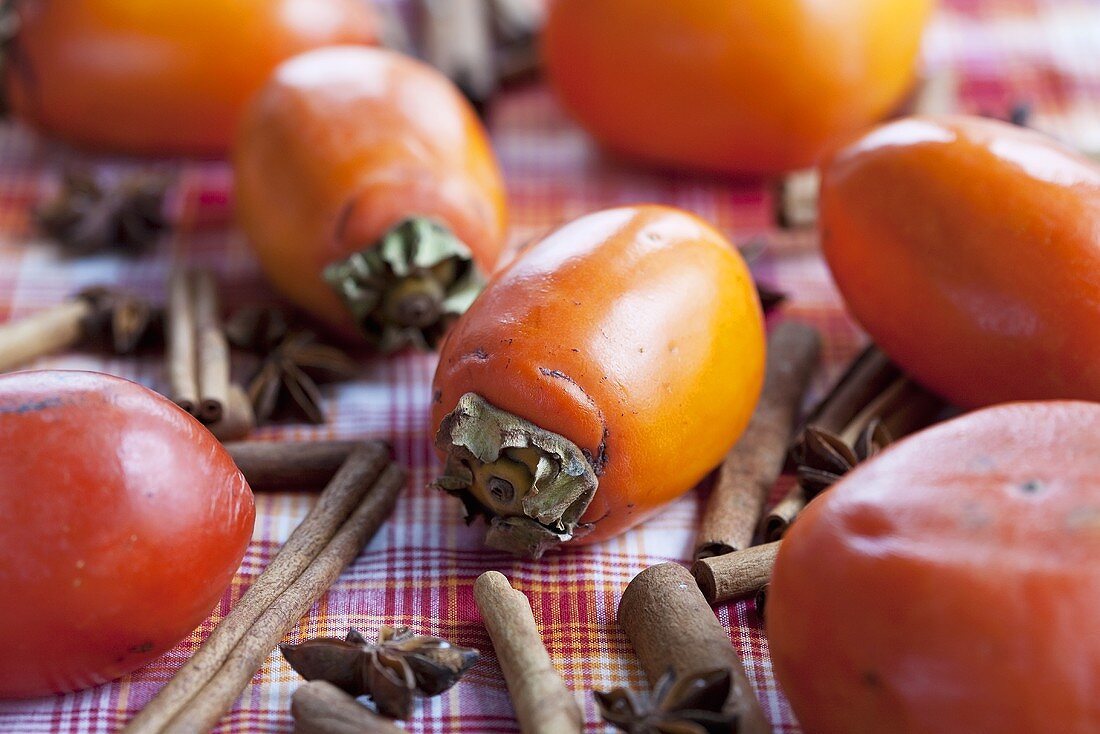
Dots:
pixel 530 484
pixel 407 288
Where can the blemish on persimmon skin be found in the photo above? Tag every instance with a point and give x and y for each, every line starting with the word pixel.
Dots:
pixel 31 407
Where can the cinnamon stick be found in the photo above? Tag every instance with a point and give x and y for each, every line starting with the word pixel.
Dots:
pixel 271 466
pixel 866 377
pixel 44 332
pixel 308 541
pixel 212 348
pixel 542 703
pixel 183 379
pixel 796 200
pixel 217 697
pixel 671 626
pixel 238 419
pixel 776 523
pixel 319 707
pixel 722 578
pixel 752 466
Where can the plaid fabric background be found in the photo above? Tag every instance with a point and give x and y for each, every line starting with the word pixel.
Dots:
pixel 420 568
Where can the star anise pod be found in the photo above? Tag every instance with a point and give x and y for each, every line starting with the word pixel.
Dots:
pixel 120 321
pixel 287 382
pixel 399 666
pixel 770 299
pixel 690 705
pixel 823 457
pixel 87 217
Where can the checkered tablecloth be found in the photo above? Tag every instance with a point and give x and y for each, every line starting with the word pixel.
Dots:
pixel 419 569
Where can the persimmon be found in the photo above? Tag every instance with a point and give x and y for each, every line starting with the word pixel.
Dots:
pixel 950 584
pixel 124 521
pixel 160 78
pixel 968 249
pixel 755 86
pixel 599 376
pixel 370 193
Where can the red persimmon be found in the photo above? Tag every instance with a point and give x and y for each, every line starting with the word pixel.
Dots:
pixel 124 520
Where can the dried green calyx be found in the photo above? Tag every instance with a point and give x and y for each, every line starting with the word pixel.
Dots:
pixel 409 286
pixel 530 484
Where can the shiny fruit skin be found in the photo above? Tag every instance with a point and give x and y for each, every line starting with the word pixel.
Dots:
pixel 635 333
pixel 342 144
pixel 754 86
pixel 124 520
pixel 950 585
pixel 162 78
pixel 969 249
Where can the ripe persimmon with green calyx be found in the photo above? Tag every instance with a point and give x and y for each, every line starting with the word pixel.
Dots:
pixel 599 376
pixel 370 194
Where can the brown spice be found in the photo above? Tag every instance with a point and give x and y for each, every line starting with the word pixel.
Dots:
pixel 753 465
pixel 271 466
pixel 319 707
pixel 670 626
pixel 542 702
pixel 457 41
pixel 691 705
pixel 182 353
pixel 212 348
pixel 237 419
pixel 735 574
pixel 42 333
pixel 778 520
pixel 356 501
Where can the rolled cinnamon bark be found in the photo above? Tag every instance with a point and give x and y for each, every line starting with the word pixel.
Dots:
pixel 868 376
pixel 733 575
pixel 183 379
pixel 752 466
pixel 212 348
pixel 457 42
pixel 319 707
pixel 542 703
pixel 47 331
pixel 670 626
pixel 309 540
pixel 776 523
pixel 271 466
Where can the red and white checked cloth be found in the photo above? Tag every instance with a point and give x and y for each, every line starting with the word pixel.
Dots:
pixel 419 569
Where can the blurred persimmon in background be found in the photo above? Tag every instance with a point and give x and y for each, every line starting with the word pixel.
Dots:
pixel 160 77
pixel 753 86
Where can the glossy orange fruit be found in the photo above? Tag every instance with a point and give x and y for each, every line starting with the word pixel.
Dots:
pixel 969 248
pixel 609 367
pixel 124 521
pixel 754 86
pixel 340 146
pixel 156 77
pixel 950 585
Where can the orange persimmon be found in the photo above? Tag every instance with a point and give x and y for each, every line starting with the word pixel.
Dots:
pixel 599 376
pixel 370 193
pixel 160 77
pixel 951 584
pixel 753 86
pixel 969 250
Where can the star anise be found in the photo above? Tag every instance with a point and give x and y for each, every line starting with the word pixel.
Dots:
pixel 87 216
pixel 823 458
pixel 287 381
pixel 399 666
pixel 691 705
pixel 770 298
pixel 121 322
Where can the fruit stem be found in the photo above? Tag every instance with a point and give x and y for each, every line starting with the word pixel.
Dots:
pixel 531 485
pixel 406 288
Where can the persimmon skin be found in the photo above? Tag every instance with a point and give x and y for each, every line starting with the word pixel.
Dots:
pixel 343 143
pixel 635 333
pixel 161 78
pixel 951 584
pixel 748 87
pixel 968 249
pixel 124 521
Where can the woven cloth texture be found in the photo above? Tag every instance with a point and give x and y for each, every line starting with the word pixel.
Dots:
pixel 420 568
